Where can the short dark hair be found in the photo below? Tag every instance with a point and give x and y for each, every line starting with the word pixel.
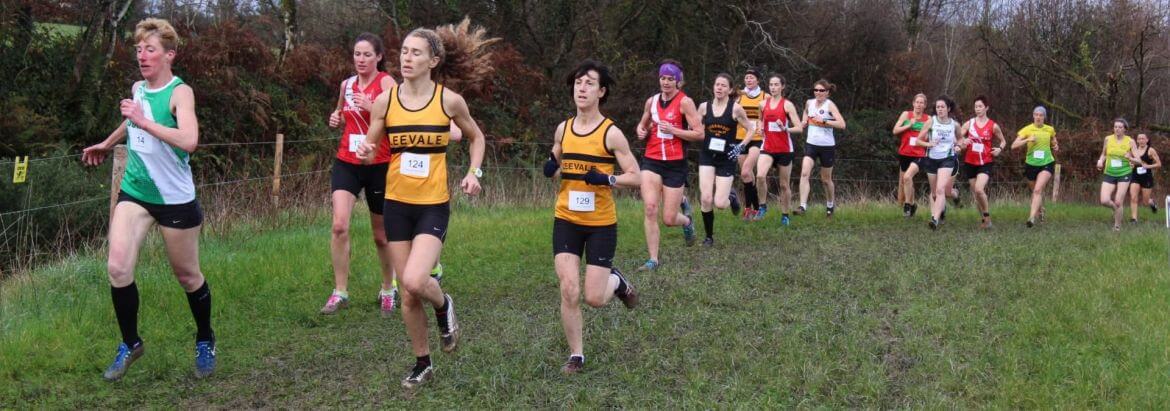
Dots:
pixel 604 79
pixel 982 98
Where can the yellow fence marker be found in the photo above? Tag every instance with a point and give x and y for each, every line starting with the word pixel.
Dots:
pixel 20 172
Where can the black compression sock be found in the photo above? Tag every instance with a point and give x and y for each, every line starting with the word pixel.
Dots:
pixel 751 196
pixel 421 363
pixel 709 222
pixel 200 302
pixel 126 310
pixel 441 314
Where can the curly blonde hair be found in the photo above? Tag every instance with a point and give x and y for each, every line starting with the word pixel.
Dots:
pixel 464 60
pixel 157 27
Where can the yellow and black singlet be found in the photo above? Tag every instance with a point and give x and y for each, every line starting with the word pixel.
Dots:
pixel 751 106
pixel 577 202
pixel 418 148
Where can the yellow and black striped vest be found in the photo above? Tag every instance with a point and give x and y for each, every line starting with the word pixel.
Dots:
pixel 577 202
pixel 752 107
pixel 418 149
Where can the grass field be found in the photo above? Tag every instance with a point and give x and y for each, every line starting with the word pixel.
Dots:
pixel 868 310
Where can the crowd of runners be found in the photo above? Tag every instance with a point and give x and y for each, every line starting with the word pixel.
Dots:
pixel 393 149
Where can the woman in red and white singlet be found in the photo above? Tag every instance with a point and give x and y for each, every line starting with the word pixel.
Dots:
pixel 350 175
pixel 982 141
pixel 779 120
pixel 668 118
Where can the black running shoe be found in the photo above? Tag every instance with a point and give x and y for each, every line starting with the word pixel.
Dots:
pixel 906 210
pixel 418 376
pixel 1153 208
pixel 708 242
pixel 933 224
pixel 630 296
pixel 799 210
pixel 574 365
pixel 913 209
pixel 449 335
pixel 1030 224
pixel 829 211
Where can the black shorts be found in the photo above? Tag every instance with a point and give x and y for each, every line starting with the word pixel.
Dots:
pixel 1145 180
pixel 1031 171
pixel 827 155
pixel 970 171
pixel 932 165
pixel 405 221
pixel 598 243
pixel 780 159
pixel 355 178
pixel 759 144
pixel 904 162
pixel 180 216
pixel 673 172
pixel 724 166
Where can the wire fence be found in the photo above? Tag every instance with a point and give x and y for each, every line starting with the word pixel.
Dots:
pixel 508 164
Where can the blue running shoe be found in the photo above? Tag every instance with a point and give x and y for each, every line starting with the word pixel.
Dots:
pixel 784 220
pixel 760 213
pixel 204 358
pixel 650 265
pixel 122 361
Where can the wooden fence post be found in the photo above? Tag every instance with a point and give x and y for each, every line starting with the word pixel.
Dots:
pixel 276 169
pixel 1056 184
pixel 116 172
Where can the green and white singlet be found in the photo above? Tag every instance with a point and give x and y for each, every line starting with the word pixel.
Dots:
pixel 156 172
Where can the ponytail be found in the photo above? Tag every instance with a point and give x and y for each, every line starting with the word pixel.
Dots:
pixel 464 62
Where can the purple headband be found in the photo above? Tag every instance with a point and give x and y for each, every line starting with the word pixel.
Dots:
pixel 668 69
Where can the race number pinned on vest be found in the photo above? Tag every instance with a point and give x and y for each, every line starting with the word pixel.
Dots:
pixel 20 172
pixel 1038 154
pixel 717 144
pixel 662 134
pixel 775 126
pixel 977 147
pixel 415 165
pixel 582 201
pixel 355 141
pixel 1141 170
pixel 1114 163
pixel 140 140
pixel 913 141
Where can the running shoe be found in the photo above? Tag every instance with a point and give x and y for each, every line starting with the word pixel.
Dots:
pixel 689 228
pixel 905 210
pixel 449 335
pixel 942 217
pixel 630 296
pixel 956 198
pixel 799 210
pixel 708 242
pixel 1133 221
pixel 913 209
pixel 437 273
pixel 734 203
pixel 784 220
pixel 1040 216
pixel 986 223
pixel 336 302
pixel 387 301
pixel 574 365
pixel 418 376
pixel 1116 228
pixel 748 214
pixel 1153 207
pixel 829 212
pixel 933 224
pixel 204 358
pixel 122 361
pixel 1030 224
pixel 760 214
pixel 649 265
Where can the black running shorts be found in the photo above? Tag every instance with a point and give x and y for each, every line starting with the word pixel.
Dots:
pixel 180 216
pixel 405 221
pixel 598 243
pixel 356 178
